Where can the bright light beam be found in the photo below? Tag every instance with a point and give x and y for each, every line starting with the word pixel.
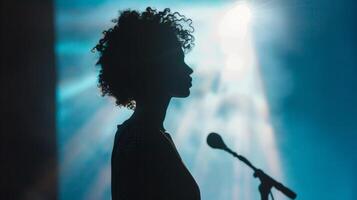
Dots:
pixel 237 19
pixel 241 79
pixel 241 94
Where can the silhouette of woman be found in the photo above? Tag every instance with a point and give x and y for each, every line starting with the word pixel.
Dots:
pixel 142 66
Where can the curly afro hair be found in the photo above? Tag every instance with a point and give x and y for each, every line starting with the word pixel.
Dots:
pixel 126 50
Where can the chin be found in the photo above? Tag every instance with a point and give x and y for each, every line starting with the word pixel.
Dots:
pixel 182 94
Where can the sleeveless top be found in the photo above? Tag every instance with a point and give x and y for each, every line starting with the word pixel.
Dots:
pixel 147 166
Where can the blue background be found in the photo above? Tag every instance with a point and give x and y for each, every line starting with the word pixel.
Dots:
pixel 307 61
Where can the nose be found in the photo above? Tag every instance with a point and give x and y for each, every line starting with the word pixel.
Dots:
pixel 189 69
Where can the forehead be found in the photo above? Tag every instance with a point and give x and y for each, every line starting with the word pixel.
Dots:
pixel 170 50
pixel 174 51
pixel 165 46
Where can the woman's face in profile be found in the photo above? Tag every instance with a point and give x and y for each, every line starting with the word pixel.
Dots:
pixel 174 78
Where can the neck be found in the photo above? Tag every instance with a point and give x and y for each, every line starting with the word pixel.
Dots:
pixel 152 111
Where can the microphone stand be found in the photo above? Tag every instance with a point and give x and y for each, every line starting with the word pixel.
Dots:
pixel 266 182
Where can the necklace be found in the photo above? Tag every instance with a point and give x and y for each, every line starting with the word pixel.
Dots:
pixel 162 131
pixel 168 138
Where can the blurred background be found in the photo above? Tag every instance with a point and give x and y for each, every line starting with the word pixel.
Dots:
pixel 277 79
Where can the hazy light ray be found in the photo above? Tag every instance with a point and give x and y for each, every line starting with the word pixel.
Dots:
pixel 239 80
pixel 79 143
pixel 185 124
pixel 203 158
pixel 265 130
pixel 100 184
pixel 97 131
pixel 70 90
pixel 239 86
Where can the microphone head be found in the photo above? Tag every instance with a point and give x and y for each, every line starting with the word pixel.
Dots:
pixel 215 141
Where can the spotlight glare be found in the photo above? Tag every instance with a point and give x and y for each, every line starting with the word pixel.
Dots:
pixel 237 19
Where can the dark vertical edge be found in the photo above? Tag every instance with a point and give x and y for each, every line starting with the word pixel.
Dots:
pixel 28 77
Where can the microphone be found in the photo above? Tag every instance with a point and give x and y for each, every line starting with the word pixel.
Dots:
pixel 215 141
